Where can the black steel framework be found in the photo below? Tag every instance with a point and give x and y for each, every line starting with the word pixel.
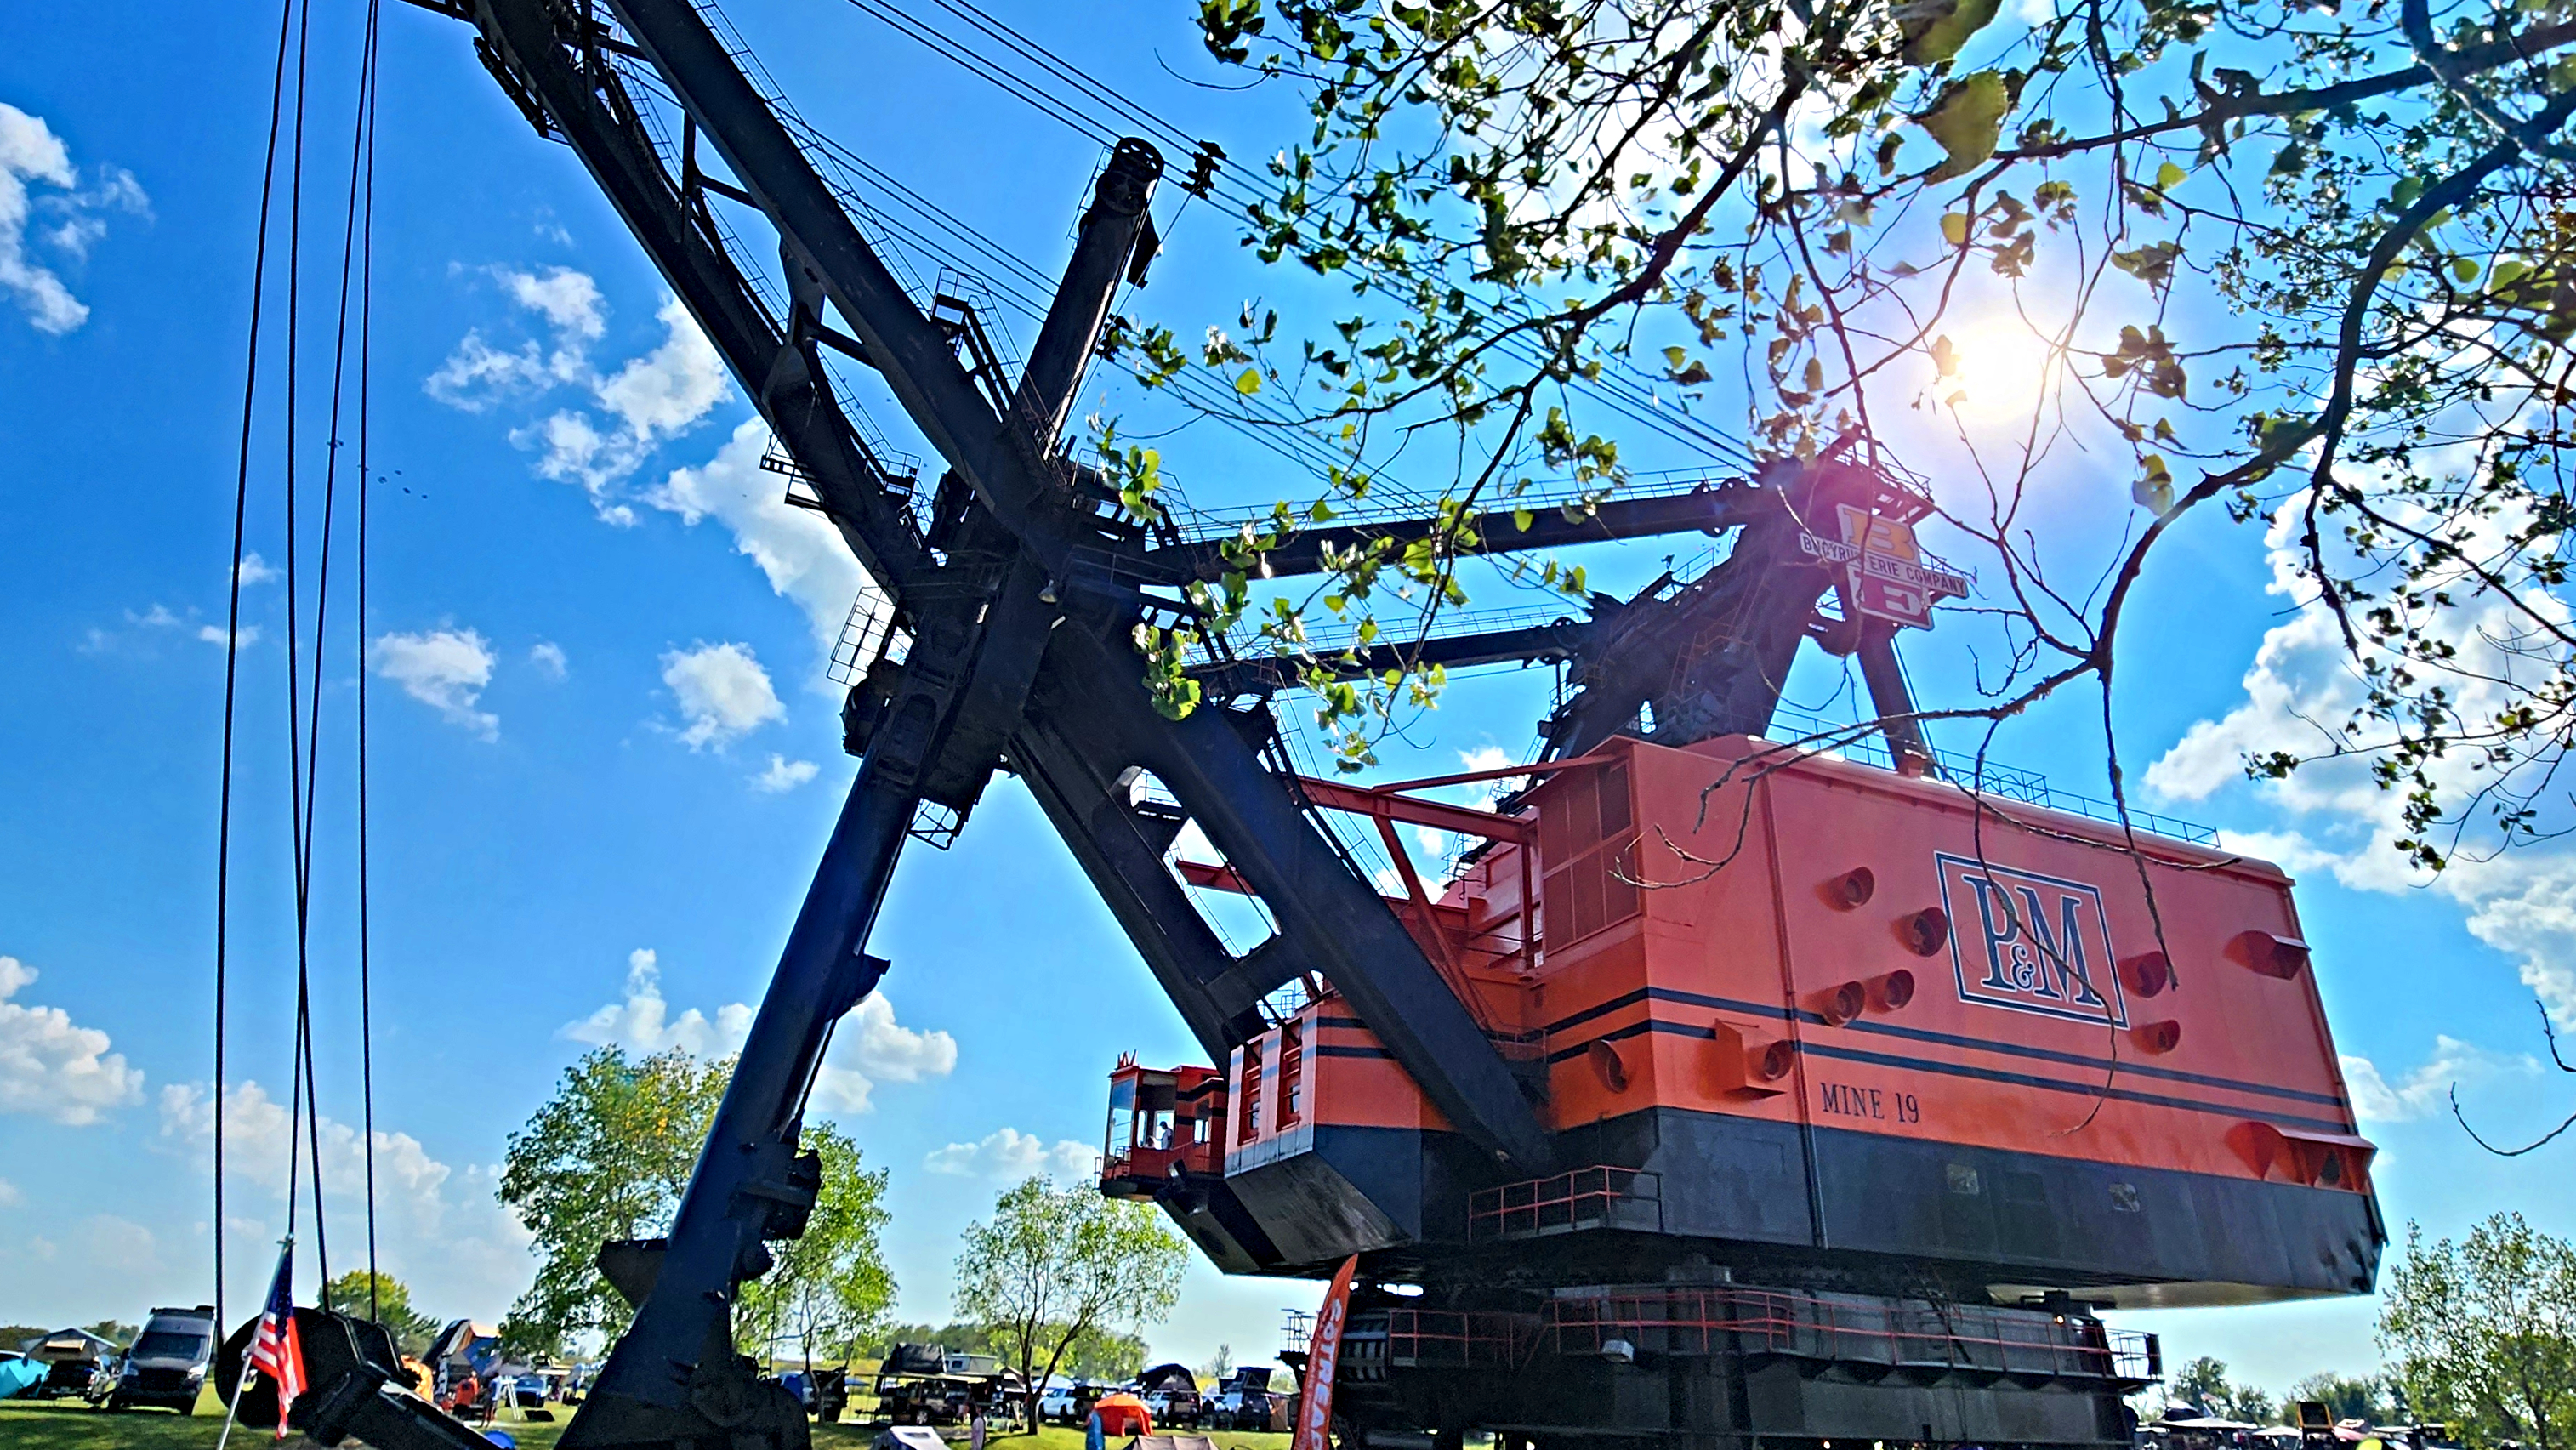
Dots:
pixel 1019 594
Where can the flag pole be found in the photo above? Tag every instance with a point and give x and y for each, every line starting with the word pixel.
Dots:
pixel 232 1407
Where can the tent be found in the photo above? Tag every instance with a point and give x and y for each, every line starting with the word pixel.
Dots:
pixel 70 1344
pixel 1123 1414
pixel 19 1376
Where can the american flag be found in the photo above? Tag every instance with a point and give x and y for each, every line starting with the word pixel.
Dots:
pixel 275 1350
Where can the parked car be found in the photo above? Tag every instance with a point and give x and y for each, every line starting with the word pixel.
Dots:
pixel 1175 1407
pixel 1171 1396
pixel 1244 1401
pixel 71 1357
pixel 1237 1407
pixel 1056 1404
pixel 166 1366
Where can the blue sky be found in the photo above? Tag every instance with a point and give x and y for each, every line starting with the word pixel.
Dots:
pixel 603 755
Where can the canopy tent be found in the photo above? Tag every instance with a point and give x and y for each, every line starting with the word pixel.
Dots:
pixel 69 1344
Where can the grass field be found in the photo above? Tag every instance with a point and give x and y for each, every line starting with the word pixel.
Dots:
pixel 71 1425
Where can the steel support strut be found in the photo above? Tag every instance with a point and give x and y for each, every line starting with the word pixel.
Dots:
pixel 676 1364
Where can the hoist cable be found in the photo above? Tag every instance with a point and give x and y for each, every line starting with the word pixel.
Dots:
pixel 362 181
pixel 986 69
pixel 232 626
pixel 1026 288
pixel 1629 397
pixel 303 1111
pixel 1046 60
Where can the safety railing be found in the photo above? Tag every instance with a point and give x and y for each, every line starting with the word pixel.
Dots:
pixel 1450 1339
pixel 1850 1329
pixel 1988 778
pixel 1157 1163
pixel 1586 1198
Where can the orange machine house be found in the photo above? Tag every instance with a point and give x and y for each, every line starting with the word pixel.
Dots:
pixel 1778 1005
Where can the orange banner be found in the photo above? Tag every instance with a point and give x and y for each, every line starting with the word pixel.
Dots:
pixel 1323 1356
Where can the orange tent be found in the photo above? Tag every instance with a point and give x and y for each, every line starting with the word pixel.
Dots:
pixel 1123 1415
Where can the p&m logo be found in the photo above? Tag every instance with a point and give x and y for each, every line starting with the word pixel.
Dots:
pixel 2030 943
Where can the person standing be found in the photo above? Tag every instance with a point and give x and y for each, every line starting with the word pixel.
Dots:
pixel 975 1429
pixel 1093 1437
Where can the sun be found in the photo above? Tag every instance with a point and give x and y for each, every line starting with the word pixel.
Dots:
pixel 1999 369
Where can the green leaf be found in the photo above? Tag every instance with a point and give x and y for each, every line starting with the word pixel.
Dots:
pixel 2152 264
pixel 1934 30
pixel 1249 383
pixel 1954 228
pixel 2465 269
pixel 2169 176
pixel 1966 121
pixel 2154 488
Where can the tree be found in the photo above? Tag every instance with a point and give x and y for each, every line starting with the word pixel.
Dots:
pixel 390 1305
pixel 831 1284
pixel 1221 1366
pixel 2204 1382
pixel 605 1158
pixel 2482 1334
pixel 2345 1397
pixel 1054 1264
pixel 956 1337
pixel 1106 1355
pixel 115 1333
pixel 2306 265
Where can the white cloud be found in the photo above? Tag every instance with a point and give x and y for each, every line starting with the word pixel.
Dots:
pixel 723 693
pixel 647 401
pixel 798 551
pixel 445 669
pixel 255 570
pixel 635 409
pixel 477 375
pixel 50 1068
pixel 784 775
pixel 1009 1155
pixel 440 1222
pixel 2426 1090
pixel 31 154
pixel 572 449
pixel 565 298
pixel 869 1047
pixel 891 1051
pixel 643 1022
pixel 2335 817
pixel 214 634
pixel 548 658
pixel 10 1197
pixel 1483 758
pixel 666 391
pixel 157 617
